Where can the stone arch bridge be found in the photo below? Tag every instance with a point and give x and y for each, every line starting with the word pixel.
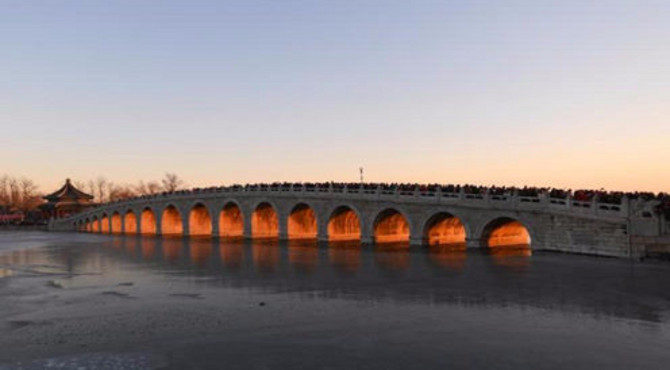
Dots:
pixel 377 216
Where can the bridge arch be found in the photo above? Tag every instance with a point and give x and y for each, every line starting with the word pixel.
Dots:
pixel 171 221
pixel 231 220
pixel 444 228
pixel 87 226
pixel 199 220
pixel 302 222
pixel 129 222
pixel 148 224
pixel 265 220
pixel 344 224
pixel 104 223
pixel 115 224
pixel 391 225
pixel 505 232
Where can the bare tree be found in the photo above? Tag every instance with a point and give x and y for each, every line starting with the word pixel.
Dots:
pixel 80 185
pixel 119 192
pixel 147 188
pixel 153 187
pixel 4 190
pixel 29 197
pixel 171 182
pixel 101 186
pixel 91 188
pixel 14 193
pixel 18 194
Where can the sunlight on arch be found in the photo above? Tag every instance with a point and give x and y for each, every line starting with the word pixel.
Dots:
pixel 148 222
pixel 88 226
pixel 95 226
pixel 302 222
pixel 506 232
pixel 446 230
pixel 171 223
pixel 116 223
pixel 264 222
pixel 231 221
pixel 130 223
pixel 199 221
pixel 391 227
pixel 104 224
pixel 344 225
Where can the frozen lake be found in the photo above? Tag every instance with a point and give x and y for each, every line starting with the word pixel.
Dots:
pixel 73 300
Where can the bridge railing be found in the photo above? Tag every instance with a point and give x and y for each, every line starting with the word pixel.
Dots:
pixel 431 194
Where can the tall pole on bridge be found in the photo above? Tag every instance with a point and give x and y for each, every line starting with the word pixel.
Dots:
pixel 360 169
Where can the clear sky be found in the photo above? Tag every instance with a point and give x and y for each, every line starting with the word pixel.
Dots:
pixel 568 93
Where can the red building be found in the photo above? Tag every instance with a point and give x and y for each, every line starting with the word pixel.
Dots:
pixel 66 201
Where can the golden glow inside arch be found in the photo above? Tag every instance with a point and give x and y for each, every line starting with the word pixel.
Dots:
pixel 264 222
pixel 88 226
pixel 116 223
pixel 344 225
pixel 95 226
pixel 507 233
pixel 391 227
pixel 199 221
pixel 231 221
pixel 302 223
pixel 130 223
pixel 445 229
pixel 104 224
pixel 148 222
pixel 171 223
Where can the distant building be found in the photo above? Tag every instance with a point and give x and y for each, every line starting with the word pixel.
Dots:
pixel 10 217
pixel 66 201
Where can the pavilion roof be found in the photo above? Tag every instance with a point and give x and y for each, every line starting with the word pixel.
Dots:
pixel 68 191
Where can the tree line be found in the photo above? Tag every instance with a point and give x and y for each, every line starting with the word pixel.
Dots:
pixel 21 194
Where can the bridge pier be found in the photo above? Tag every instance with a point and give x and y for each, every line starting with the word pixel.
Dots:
pixel 282 220
pixel 215 224
pixel 185 224
pixel 159 223
pixel 417 242
pixel 473 243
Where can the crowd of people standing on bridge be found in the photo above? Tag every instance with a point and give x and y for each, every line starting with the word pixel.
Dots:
pixel 581 195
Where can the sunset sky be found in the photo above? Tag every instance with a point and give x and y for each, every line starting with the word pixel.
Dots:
pixel 552 93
